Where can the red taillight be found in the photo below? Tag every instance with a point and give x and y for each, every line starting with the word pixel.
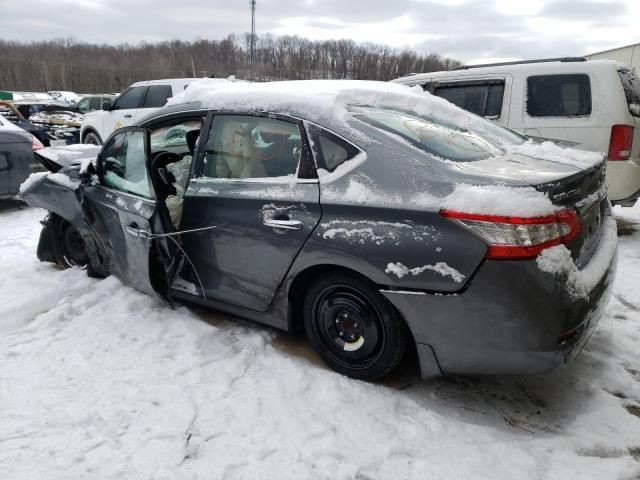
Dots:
pixel 621 142
pixel 511 238
pixel 36 144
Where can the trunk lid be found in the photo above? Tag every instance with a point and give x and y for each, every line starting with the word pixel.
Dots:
pixel 583 190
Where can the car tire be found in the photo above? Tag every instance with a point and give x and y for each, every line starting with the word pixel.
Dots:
pixel 92 139
pixel 355 330
pixel 68 246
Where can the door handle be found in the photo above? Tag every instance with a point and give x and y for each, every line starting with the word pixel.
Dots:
pixel 282 224
pixel 128 116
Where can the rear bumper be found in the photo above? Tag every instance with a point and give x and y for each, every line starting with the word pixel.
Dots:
pixel 623 181
pixel 511 319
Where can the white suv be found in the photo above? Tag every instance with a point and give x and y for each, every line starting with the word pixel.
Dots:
pixel 134 102
pixel 590 102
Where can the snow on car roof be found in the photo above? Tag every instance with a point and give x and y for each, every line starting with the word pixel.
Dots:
pixel 328 103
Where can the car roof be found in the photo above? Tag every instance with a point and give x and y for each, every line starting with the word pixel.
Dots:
pixel 549 67
pixel 165 81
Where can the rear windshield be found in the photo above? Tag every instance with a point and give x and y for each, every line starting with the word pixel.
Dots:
pixel 631 85
pixel 441 138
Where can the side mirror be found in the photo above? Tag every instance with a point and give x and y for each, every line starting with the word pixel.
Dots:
pixel 106 105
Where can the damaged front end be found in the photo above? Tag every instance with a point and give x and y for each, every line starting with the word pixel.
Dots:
pixel 66 237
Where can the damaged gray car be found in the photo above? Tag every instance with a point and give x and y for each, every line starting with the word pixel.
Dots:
pixel 386 229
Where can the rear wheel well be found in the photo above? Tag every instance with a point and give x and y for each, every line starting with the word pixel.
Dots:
pixel 300 283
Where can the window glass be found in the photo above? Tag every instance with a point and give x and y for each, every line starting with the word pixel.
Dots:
pixel 440 139
pixel 123 163
pixel 252 147
pixel 484 99
pixel 95 103
pixel 132 98
pixel 631 86
pixel 334 151
pixel 157 96
pixel 177 138
pixel 83 105
pixel 559 95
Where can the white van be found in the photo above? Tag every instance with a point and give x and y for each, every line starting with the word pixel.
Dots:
pixel 135 101
pixel 590 102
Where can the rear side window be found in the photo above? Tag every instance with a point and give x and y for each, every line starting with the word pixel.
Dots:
pixel 631 86
pixel 331 151
pixel 132 98
pixel 157 96
pixel 483 98
pixel 559 95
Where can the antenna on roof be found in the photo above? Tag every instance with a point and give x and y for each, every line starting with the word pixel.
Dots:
pixel 252 4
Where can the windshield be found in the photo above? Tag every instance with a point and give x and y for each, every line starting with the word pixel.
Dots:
pixel 439 137
pixel 631 85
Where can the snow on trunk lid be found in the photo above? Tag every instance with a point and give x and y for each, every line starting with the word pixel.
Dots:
pixel 585 192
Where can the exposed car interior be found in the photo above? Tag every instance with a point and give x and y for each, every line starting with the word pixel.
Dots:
pixel 252 147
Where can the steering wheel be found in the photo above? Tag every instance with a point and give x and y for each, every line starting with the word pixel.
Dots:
pixel 113 165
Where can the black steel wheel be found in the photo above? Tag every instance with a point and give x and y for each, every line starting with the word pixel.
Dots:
pixel 92 139
pixel 68 244
pixel 353 327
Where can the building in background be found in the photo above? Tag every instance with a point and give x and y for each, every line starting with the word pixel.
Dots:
pixel 629 54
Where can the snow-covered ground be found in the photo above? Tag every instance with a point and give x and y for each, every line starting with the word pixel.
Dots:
pixel 99 381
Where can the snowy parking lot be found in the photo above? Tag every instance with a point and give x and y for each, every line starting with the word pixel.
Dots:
pixel 100 381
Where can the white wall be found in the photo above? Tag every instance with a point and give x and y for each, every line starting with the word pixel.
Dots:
pixel 629 55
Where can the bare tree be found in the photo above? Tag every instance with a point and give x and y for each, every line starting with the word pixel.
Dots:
pixel 67 64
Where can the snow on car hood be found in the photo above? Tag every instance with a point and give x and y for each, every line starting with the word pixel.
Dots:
pixel 66 156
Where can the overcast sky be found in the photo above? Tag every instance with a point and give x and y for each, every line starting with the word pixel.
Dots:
pixel 469 30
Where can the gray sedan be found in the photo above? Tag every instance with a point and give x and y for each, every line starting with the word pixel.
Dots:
pixel 16 157
pixel 376 221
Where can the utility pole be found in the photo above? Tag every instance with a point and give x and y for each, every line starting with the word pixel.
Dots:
pixel 252 3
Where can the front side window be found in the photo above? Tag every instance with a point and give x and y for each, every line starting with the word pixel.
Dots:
pixel 559 95
pixel 123 163
pixel 157 96
pixel 132 98
pixel 95 103
pixel 482 98
pixel 242 146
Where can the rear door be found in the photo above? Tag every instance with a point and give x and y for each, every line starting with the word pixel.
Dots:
pixel 123 212
pixel 257 185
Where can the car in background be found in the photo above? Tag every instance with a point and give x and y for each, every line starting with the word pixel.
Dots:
pixel 13 115
pixel 16 157
pixel 136 101
pixel 68 99
pixel 589 102
pixel 62 124
pixel 374 217
pixel 89 103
